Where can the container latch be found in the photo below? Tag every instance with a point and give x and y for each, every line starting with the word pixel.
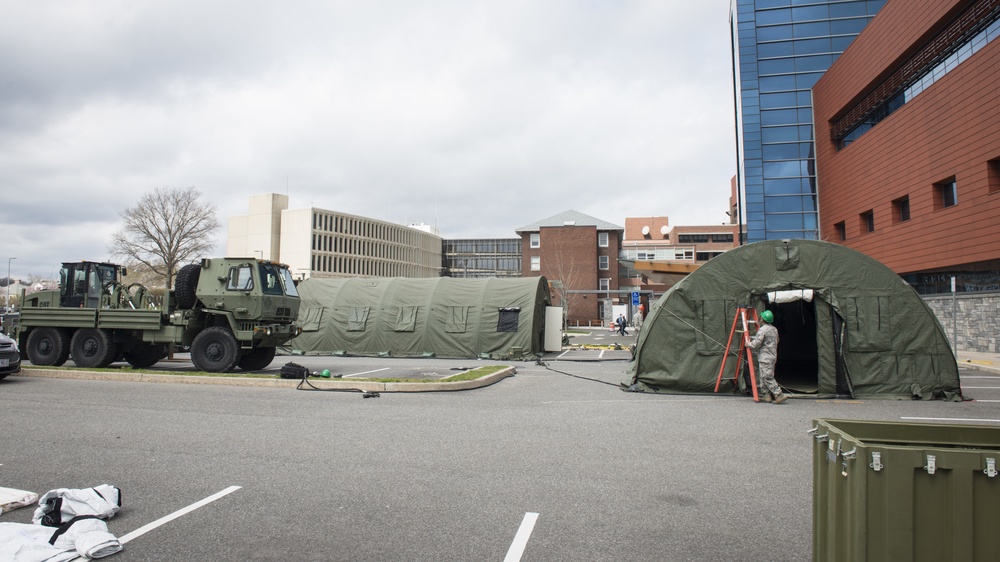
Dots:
pixel 847 455
pixel 931 466
pixel 820 438
pixel 991 467
pixel 876 464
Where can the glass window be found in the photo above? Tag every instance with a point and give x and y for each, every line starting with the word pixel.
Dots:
pixel 786 204
pixel 807 13
pixel 779 116
pixel 774 33
pixel 777 83
pixel 788 151
pixel 813 63
pixel 786 186
pixel 776 66
pixel 848 9
pixel 604 284
pixel 841 229
pixel 603 262
pixel 783 222
pixel 602 239
pixel 240 278
pixel 815 29
pixel 535 240
pixel 772 101
pixel 868 221
pixel 947 193
pixel 780 49
pixel 785 169
pixel 771 17
pixel 901 209
pixel 848 27
pixel 779 134
pixel 536 263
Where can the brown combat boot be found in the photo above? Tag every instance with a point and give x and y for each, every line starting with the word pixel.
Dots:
pixel 780 398
pixel 765 397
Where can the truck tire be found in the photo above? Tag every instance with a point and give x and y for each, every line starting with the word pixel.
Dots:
pixel 143 354
pixel 215 350
pixel 186 285
pixel 256 359
pixel 93 347
pixel 48 347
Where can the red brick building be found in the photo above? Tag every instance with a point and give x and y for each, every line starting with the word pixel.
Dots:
pixel 578 254
pixel 908 143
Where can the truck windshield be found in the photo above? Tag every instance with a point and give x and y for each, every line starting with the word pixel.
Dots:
pixel 286 280
pixel 270 279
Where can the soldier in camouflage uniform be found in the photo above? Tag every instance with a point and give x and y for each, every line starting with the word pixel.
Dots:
pixel 765 341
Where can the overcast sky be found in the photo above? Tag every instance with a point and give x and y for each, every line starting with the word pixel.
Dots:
pixel 476 117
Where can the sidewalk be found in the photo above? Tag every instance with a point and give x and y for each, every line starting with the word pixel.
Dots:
pixel 987 362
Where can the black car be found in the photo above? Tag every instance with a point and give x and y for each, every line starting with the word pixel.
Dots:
pixel 10 359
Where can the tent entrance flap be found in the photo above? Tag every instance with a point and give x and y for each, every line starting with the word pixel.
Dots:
pixel 797 368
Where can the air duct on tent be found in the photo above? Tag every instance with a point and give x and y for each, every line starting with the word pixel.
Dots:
pixel 779 297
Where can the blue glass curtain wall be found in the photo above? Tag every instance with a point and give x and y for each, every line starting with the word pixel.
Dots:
pixel 784 46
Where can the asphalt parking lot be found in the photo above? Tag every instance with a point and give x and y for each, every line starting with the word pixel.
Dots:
pixel 554 463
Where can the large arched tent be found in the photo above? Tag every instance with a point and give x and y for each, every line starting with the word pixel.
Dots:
pixel 848 326
pixel 443 317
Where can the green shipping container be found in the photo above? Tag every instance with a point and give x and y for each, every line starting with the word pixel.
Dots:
pixel 905 491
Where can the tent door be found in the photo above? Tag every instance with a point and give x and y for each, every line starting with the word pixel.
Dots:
pixel 798 353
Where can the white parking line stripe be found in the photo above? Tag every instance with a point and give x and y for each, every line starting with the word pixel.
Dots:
pixel 521 538
pixel 150 526
pixel 366 372
pixel 980 387
pixel 951 419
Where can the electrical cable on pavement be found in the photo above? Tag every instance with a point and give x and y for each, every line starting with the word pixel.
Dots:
pixel 544 364
pixel 305 380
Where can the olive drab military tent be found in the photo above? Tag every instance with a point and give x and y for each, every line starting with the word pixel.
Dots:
pixel 848 326
pixel 441 317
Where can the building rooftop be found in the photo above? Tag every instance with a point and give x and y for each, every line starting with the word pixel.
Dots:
pixel 569 218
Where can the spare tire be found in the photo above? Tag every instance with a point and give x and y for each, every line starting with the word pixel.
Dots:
pixel 186 285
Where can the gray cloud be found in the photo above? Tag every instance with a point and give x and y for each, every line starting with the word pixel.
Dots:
pixel 478 117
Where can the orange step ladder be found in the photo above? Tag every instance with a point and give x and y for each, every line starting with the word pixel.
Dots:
pixel 741 320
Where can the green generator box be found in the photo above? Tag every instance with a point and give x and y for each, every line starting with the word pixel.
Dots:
pixel 905 491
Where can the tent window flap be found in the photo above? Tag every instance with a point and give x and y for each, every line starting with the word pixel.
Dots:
pixel 456 320
pixel 358 318
pixel 507 321
pixel 406 319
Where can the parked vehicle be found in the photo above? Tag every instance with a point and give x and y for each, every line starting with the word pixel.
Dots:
pixel 10 358
pixel 232 312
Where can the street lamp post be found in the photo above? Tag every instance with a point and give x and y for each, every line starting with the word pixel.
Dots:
pixel 8 282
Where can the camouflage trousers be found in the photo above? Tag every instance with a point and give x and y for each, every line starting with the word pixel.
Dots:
pixel 765 378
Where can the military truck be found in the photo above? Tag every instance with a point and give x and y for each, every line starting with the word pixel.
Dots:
pixel 231 312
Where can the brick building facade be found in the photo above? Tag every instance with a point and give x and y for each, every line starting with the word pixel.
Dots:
pixel 908 143
pixel 578 254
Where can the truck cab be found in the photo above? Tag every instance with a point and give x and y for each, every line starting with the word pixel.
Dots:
pixel 81 283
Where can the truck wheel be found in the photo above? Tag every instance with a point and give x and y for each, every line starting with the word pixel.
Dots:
pixel 48 347
pixel 92 347
pixel 215 350
pixel 143 355
pixel 186 284
pixel 256 359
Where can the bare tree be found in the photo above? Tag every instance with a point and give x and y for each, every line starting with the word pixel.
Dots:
pixel 166 229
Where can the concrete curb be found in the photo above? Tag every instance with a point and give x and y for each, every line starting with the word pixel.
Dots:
pixel 366 386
